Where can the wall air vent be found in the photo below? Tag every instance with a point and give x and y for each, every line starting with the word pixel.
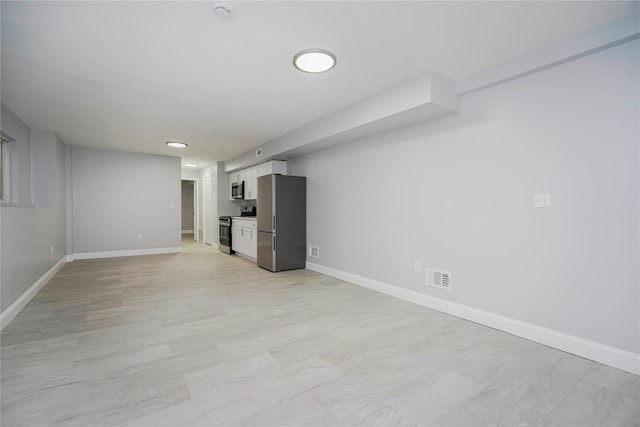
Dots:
pixel 438 278
pixel 314 251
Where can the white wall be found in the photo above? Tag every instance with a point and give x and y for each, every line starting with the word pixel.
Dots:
pixel 118 195
pixel 456 194
pixel 29 232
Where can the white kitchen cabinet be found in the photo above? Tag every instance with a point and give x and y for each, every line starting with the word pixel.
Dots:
pixel 244 238
pixel 273 166
pixel 250 184
pixel 250 176
pixel 252 243
pixel 236 176
pixel 236 241
pixel 278 166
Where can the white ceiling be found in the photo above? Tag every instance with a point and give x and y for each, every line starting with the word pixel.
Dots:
pixel 132 75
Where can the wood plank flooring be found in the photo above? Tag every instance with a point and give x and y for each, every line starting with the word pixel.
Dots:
pixel 203 338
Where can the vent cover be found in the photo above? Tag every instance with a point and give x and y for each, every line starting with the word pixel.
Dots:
pixel 314 251
pixel 438 278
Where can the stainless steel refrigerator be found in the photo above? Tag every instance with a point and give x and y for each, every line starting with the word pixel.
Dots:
pixel 282 222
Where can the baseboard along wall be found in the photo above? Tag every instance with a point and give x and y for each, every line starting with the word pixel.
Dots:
pixel 611 356
pixel 16 307
pixel 131 252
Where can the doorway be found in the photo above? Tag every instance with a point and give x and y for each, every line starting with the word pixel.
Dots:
pixel 189 219
pixel 209 209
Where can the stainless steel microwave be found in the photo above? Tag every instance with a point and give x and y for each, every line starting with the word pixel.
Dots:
pixel 237 190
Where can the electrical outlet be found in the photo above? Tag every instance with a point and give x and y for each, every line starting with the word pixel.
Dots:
pixel 51 248
pixel 259 152
pixel 542 200
pixel 417 265
pixel 171 205
pixel 139 236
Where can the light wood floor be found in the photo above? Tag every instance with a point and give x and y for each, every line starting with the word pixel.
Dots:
pixel 203 338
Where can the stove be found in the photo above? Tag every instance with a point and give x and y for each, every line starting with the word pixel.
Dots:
pixel 224 234
pixel 248 210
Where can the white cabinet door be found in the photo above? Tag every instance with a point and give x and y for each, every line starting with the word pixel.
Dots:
pixel 235 177
pixel 252 243
pixel 273 166
pixel 235 238
pixel 251 184
pixel 243 240
pixel 245 237
pixel 263 169
pixel 278 166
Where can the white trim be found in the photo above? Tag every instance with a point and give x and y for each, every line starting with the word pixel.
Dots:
pixel 69 258
pixel 131 252
pixel 16 307
pixel 609 35
pixel 247 257
pixel 615 357
pixel 187 231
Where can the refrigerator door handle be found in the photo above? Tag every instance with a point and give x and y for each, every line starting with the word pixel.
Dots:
pixel 274 243
pixel 274 222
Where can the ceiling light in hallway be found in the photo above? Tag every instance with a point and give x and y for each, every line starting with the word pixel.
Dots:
pixel 223 9
pixel 314 60
pixel 176 144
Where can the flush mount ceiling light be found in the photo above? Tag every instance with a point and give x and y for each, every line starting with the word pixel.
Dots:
pixel 191 165
pixel 314 60
pixel 176 144
pixel 223 9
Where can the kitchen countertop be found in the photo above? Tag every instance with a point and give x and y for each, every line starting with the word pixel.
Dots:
pixel 250 218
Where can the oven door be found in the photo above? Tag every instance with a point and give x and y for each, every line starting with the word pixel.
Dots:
pixel 224 237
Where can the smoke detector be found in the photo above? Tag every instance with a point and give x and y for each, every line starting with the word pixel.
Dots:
pixel 223 9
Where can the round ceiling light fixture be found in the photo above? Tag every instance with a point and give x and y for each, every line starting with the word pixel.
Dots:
pixel 176 144
pixel 314 60
pixel 223 9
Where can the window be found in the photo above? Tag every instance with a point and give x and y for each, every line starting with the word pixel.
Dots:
pixel 5 167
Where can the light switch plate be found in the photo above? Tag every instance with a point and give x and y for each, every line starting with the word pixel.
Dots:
pixel 542 200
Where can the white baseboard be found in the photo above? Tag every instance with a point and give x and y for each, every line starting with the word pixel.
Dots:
pixel 131 252
pixel 16 307
pixel 247 257
pixel 611 356
pixel 187 231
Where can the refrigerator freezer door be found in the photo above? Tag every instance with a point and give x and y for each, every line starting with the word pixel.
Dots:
pixel 290 208
pixel 265 203
pixel 266 250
